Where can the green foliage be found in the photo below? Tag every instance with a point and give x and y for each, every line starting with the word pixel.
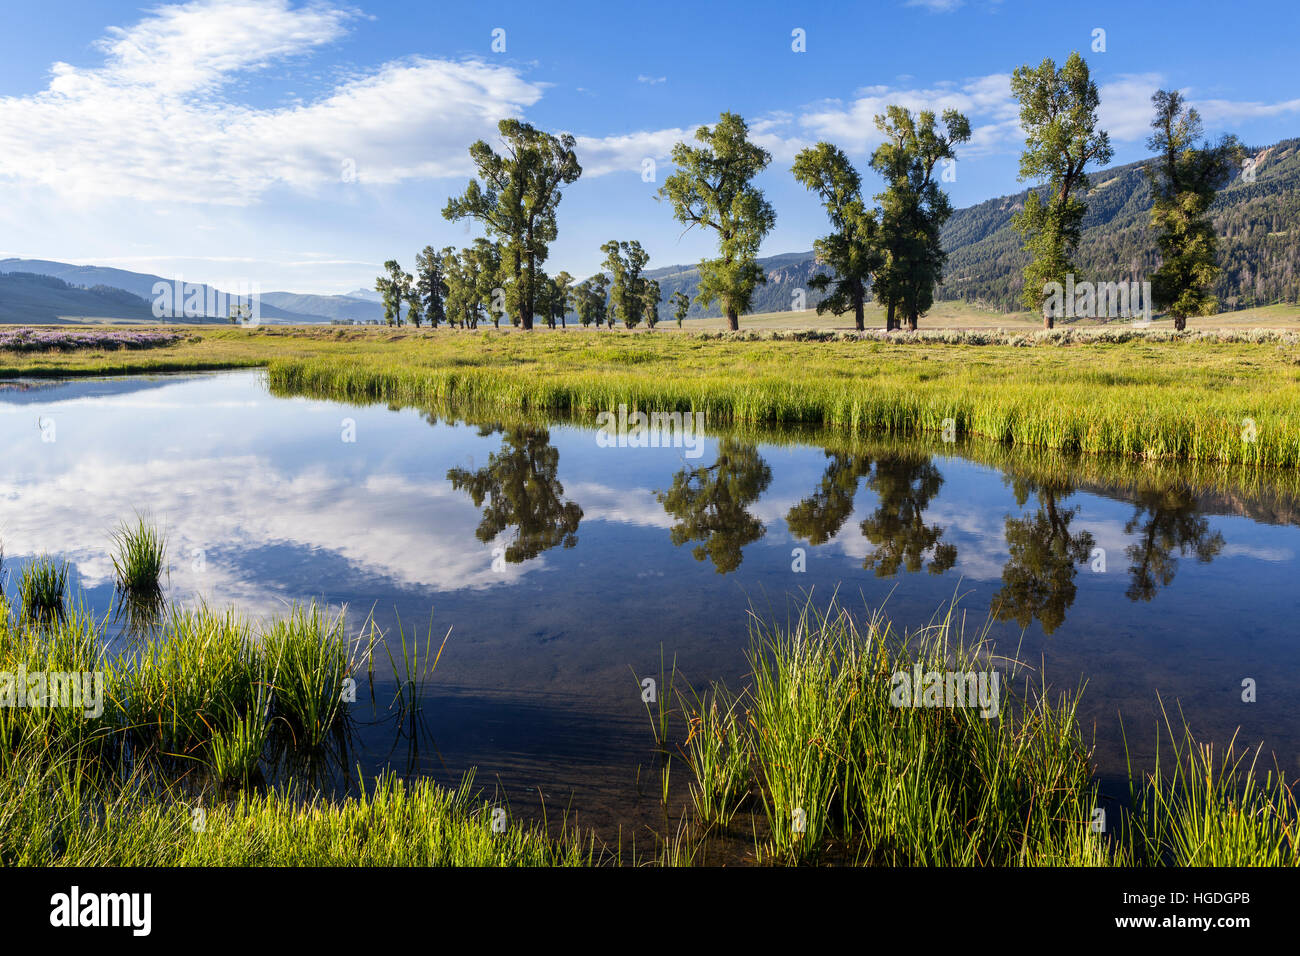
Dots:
pixel 1184 182
pixel 396 288
pixel 516 202
pixel 681 303
pixel 431 284
pixel 853 251
pixel 1058 111
pixel 590 300
pixel 712 189
pixel 913 208
pixel 625 261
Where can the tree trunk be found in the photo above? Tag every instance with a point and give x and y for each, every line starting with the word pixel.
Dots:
pixel 859 318
pixel 889 317
pixel 1049 321
pixel 1180 323
pixel 912 321
pixel 733 320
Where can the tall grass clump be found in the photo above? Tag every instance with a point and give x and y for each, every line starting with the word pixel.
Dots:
pixel 139 561
pixel 1199 808
pixel 198 677
pixel 313 662
pixel 841 768
pixel 41 590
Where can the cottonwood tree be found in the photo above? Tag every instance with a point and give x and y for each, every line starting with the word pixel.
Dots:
pixel 713 189
pixel 681 303
pixel 516 201
pixel 460 301
pixel 561 296
pixel 651 295
pixel 589 299
pixel 913 208
pixel 853 251
pixel 1058 111
pixel 483 268
pixel 624 261
pixel 394 288
pixel 1184 180
pixel 431 285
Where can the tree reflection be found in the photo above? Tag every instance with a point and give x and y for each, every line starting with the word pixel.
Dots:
pixel 819 517
pixel 710 504
pixel 1038 579
pixel 906 484
pixel 1165 520
pixel 521 489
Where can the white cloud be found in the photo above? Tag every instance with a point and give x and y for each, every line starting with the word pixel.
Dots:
pixel 985 100
pixel 651 80
pixel 151 123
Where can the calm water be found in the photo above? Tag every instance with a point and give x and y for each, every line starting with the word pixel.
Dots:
pixel 563 568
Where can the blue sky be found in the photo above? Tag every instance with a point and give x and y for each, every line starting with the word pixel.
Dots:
pixel 298 145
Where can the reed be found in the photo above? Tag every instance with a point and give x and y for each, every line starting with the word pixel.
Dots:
pixel 41 590
pixel 139 562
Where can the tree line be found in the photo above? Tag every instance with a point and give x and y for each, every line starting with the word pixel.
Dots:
pixel 887 248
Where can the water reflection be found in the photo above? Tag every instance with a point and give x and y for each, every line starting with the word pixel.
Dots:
pixel 906 485
pixel 711 504
pixel 522 491
pixel 1165 520
pixel 1038 581
pixel 264 506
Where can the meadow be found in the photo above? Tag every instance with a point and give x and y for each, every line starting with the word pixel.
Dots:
pixel 1225 397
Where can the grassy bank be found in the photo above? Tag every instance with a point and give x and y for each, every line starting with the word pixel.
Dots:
pixel 1197 397
pixel 1229 402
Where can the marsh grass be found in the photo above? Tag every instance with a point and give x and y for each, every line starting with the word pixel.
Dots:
pixel 841 772
pixel 139 563
pixel 55 816
pixel 1202 808
pixel 41 590
pixel 1188 398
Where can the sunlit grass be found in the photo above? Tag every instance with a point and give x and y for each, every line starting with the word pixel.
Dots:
pixel 41 590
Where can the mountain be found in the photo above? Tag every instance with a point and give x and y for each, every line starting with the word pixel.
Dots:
pixel 1258 224
pixel 138 284
pixel 27 298
pixel 329 307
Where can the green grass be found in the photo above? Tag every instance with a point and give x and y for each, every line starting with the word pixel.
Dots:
pixel 139 562
pixel 41 590
pixel 53 817
pixel 1231 403
pixel 841 774
pixel 1228 399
